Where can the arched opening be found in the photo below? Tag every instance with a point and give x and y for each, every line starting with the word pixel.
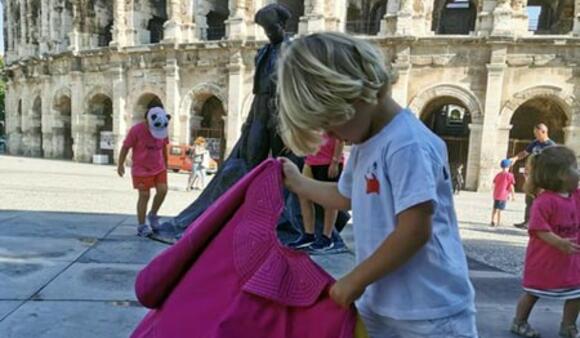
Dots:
pixel 62 131
pixel 62 21
pixel 100 107
pixel 208 121
pixel 144 103
pixel 106 35
pixel 216 20
pixel 550 16
pixel 100 22
pixel 154 14
pixel 454 17
pixel 525 118
pixel 449 119
pixel 365 17
pixel 296 8
pixel 34 131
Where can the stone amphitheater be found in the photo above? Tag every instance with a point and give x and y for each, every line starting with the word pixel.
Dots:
pixel 480 73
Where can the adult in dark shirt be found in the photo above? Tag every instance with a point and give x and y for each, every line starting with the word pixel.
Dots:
pixel 541 142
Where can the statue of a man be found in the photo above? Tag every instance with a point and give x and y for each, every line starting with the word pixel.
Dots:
pixel 259 137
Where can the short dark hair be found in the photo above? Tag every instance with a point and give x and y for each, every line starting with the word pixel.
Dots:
pixel 282 13
pixel 548 169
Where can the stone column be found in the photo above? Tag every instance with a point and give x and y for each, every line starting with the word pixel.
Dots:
pixel 44 26
pixel 473 155
pixel 9 33
pixel 406 17
pixel 402 68
pixel 77 122
pixel 75 36
pixel 46 117
pixel 572 134
pixel 23 43
pixel 233 123
pixel 576 29
pixel 173 27
pixel 188 9
pixel 121 118
pixel 239 20
pixel 173 96
pixel 503 19
pixel 489 155
pixel 124 32
pixel 484 22
pixel 314 17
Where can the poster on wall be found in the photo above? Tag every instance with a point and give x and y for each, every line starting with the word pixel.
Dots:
pixel 107 140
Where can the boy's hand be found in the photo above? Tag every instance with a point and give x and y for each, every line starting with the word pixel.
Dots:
pixel 121 170
pixel 567 246
pixel 292 175
pixel 345 291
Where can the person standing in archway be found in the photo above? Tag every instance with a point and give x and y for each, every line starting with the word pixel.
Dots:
pixel 541 142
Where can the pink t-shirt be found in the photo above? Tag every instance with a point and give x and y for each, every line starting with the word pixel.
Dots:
pixel 547 267
pixel 325 153
pixel 502 185
pixel 148 151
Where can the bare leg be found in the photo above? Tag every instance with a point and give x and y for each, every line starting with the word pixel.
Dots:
pixel 142 205
pixel 571 309
pixel 159 198
pixel 525 306
pixel 493 216
pixel 498 217
pixel 329 220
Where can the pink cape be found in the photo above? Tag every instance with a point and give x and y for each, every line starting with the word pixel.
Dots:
pixel 229 277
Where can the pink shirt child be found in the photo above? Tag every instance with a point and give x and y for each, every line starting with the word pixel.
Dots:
pixel 502 185
pixel 325 153
pixel 547 267
pixel 147 156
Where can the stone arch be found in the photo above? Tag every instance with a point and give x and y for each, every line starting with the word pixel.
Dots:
pixel 146 100
pixel 33 131
pixel 462 94
pixel 555 93
pixel 192 111
pixel 541 104
pixel 62 138
pixel 151 16
pixel 98 123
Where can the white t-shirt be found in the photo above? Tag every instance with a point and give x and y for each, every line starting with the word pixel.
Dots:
pixel 403 165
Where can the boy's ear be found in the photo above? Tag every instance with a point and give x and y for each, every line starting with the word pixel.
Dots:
pixel 168 117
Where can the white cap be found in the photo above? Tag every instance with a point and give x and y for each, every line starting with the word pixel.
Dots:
pixel 158 120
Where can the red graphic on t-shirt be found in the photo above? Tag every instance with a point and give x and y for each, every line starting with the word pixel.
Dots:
pixel 372 184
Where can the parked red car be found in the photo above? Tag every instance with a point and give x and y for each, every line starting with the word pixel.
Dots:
pixel 179 159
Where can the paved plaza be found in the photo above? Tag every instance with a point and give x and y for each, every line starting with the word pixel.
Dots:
pixel 69 254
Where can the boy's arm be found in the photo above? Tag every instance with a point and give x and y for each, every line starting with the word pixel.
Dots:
pixel 325 194
pixel 166 156
pixel 121 161
pixel 412 232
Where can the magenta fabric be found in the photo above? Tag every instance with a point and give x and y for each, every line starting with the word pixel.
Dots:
pixel 147 158
pixel 325 153
pixel 547 267
pixel 503 185
pixel 229 277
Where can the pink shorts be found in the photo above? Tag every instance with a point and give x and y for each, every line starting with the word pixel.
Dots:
pixel 148 182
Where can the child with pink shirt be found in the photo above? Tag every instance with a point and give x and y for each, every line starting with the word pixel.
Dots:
pixel 326 166
pixel 503 187
pixel 552 266
pixel 148 141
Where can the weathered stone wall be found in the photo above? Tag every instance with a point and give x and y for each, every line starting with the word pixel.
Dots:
pixel 65 85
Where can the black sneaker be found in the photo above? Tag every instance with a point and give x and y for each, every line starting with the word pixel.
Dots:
pixel 523 225
pixel 322 244
pixel 304 241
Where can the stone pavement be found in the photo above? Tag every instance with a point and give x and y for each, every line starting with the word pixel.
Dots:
pixel 69 254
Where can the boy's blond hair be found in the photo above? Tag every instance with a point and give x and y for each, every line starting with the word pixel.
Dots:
pixel 320 77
